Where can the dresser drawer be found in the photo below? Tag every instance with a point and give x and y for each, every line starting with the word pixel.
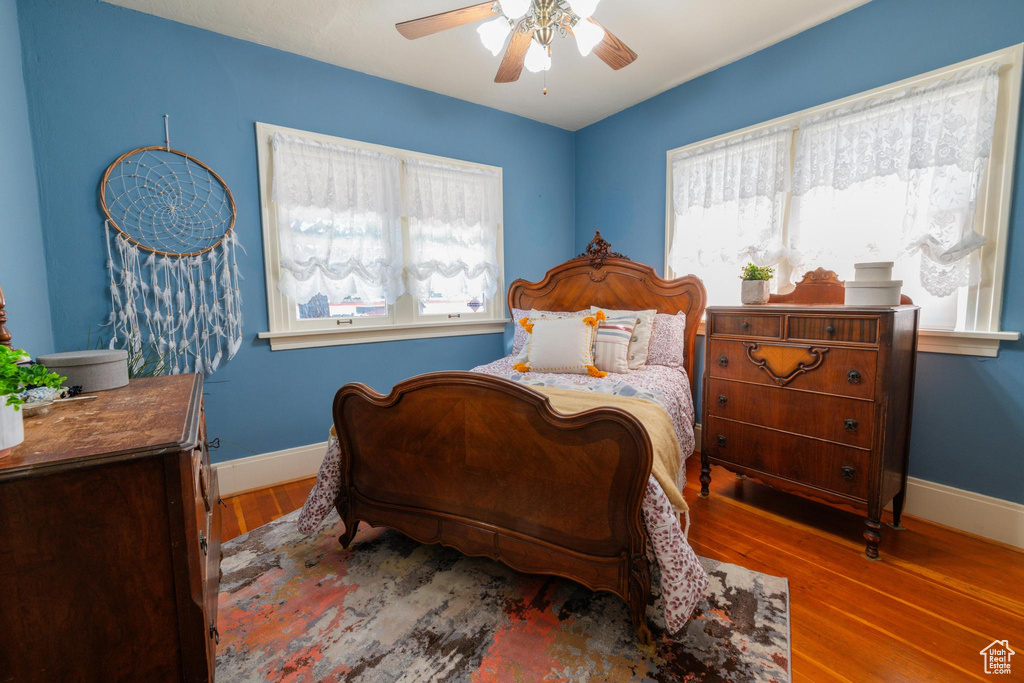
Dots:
pixel 820 464
pixel 833 328
pixel 753 325
pixel 830 370
pixel 844 420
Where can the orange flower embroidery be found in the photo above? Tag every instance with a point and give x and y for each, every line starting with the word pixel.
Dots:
pixel 527 325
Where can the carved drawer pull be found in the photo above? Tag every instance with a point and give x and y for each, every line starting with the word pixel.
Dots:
pixel 722 400
pixel 720 440
pixel 784 363
pixel 744 325
pixel 830 329
pixel 847 472
pixel 723 361
pixel 850 424
pixel 853 376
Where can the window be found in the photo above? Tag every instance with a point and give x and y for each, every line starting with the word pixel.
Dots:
pixel 365 243
pixel 919 172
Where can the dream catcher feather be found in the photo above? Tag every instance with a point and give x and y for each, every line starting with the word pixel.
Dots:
pixel 171 249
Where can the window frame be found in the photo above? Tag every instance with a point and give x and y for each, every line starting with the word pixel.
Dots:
pixel 403 320
pixel 985 300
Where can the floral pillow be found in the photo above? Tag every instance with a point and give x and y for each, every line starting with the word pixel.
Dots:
pixel 668 337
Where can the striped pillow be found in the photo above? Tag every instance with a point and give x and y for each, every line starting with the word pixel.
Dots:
pixel 611 345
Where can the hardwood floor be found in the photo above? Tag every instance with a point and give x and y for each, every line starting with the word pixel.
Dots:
pixel 921 613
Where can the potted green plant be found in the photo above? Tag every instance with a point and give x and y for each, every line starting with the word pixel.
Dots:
pixel 755 286
pixel 14 379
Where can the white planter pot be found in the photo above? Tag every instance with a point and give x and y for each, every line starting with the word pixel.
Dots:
pixel 754 291
pixel 12 427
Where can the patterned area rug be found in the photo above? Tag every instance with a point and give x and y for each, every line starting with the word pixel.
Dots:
pixel 295 608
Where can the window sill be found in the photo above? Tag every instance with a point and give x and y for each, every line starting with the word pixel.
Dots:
pixel 959 343
pixel 304 339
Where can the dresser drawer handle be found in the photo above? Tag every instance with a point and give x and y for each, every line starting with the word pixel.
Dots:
pixel 850 424
pixel 214 633
pixel 830 329
pixel 723 361
pixel 722 400
pixel 847 472
pixel 720 440
pixel 744 325
pixel 853 376
pixel 202 542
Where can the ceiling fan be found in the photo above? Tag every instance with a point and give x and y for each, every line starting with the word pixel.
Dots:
pixel 533 25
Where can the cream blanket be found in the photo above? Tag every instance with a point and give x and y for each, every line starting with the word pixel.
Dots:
pixel 652 416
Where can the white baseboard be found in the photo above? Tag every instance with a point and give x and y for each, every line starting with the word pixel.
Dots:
pixel 994 518
pixel 268 469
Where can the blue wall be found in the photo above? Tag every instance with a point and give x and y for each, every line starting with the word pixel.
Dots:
pixel 100 78
pixel 969 412
pixel 22 264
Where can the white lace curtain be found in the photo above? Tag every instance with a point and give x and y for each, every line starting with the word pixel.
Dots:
pixel 897 177
pixel 728 199
pixel 454 212
pixel 339 221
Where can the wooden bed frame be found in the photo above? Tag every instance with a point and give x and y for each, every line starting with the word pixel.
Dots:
pixel 486 465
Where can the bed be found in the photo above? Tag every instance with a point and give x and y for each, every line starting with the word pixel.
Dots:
pixel 481 461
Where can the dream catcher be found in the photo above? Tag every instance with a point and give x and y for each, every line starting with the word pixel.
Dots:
pixel 171 256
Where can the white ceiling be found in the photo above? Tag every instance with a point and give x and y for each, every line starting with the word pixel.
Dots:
pixel 677 40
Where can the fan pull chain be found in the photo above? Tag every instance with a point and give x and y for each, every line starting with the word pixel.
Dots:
pixel 167 132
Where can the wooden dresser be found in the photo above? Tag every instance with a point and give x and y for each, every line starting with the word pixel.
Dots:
pixel 813 399
pixel 109 540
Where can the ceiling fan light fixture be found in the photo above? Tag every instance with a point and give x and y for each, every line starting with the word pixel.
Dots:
pixel 537 58
pixel 493 34
pixel 583 8
pixel 588 35
pixel 513 9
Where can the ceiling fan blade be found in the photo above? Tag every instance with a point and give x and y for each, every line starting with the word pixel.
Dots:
pixel 613 51
pixel 515 55
pixel 424 26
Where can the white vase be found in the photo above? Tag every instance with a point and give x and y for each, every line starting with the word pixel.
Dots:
pixel 754 291
pixel 12 427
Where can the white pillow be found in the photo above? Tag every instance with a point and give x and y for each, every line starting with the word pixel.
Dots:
pixel 521 336
pixel 640 342
pixel 561 345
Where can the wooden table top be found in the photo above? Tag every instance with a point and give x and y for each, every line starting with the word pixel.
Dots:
pixel 147 417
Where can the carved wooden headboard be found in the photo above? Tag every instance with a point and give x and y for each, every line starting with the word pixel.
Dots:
pixel 602 277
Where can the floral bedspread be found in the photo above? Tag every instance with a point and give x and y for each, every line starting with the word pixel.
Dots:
pixel 682 579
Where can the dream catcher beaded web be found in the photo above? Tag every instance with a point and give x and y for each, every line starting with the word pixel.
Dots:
pixel 171 249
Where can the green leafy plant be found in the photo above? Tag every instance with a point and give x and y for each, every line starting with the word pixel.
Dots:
pixel 752 272
pixel 15 378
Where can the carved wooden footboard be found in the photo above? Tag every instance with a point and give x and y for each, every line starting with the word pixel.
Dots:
pixel 487 466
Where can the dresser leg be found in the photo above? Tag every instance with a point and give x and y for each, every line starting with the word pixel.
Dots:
pixel 897 509
pixel 705 475
pixel 873 537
